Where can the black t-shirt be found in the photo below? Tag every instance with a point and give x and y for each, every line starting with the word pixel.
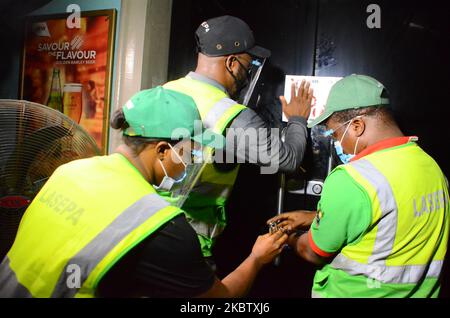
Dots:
pixel 168 263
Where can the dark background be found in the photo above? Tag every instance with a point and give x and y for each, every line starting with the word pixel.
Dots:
pixel 409 55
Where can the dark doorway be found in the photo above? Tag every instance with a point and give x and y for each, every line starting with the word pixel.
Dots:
pixel 409 54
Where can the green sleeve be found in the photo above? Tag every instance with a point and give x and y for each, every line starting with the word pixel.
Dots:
pixel 344 213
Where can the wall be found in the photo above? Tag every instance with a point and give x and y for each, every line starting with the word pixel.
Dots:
pixel 142 59
pixel 140 54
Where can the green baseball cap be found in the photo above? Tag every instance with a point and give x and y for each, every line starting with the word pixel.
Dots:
pixel 352 92
pixel 167 114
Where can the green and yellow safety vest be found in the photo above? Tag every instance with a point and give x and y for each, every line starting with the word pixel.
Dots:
pixel 402 252
pixel 88 215
pixel 205 206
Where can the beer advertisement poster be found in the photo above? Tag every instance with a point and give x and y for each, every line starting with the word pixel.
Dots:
pixel 67 65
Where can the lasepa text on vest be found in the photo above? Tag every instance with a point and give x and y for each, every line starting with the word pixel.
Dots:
pixel 429 203
pixel 62 205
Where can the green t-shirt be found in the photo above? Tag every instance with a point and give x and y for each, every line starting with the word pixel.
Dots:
pixel 344 213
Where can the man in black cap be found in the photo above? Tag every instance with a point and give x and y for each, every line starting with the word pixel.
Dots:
pixel 229 61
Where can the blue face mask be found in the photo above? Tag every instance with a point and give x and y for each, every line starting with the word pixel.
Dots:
pixel 345 158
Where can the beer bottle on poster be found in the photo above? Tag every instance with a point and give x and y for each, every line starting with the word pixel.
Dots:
pixel 55 98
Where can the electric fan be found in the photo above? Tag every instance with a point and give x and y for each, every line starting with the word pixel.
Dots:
pixel 34 141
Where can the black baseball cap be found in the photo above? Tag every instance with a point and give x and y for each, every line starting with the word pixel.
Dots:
pixel 227 35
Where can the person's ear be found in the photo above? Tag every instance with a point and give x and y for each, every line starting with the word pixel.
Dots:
pixel 358 126
pixel 229 62
pixel 162 150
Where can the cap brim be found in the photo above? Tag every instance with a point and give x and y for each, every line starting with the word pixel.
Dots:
pixel 259 51
pixel 210 139
pixel 319 119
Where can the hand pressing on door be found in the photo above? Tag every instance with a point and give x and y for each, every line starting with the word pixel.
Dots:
pixel 300 103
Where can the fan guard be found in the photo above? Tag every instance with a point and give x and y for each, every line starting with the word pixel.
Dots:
pixel 34 141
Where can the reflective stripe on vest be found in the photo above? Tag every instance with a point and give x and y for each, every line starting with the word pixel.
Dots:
pixel 214 186
pixel 387 226
pixel 407 274
pixel 10 287
pixel 376 267
pixel 216 113
pixel 207 230
pixel 315 295
pixel 91 255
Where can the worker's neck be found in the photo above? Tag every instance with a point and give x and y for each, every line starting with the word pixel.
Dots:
pixel 136 161
pixel 211 73
pixel 213 68
pixel 384 134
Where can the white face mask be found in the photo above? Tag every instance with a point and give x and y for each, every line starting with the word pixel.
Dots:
pixel 168 182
